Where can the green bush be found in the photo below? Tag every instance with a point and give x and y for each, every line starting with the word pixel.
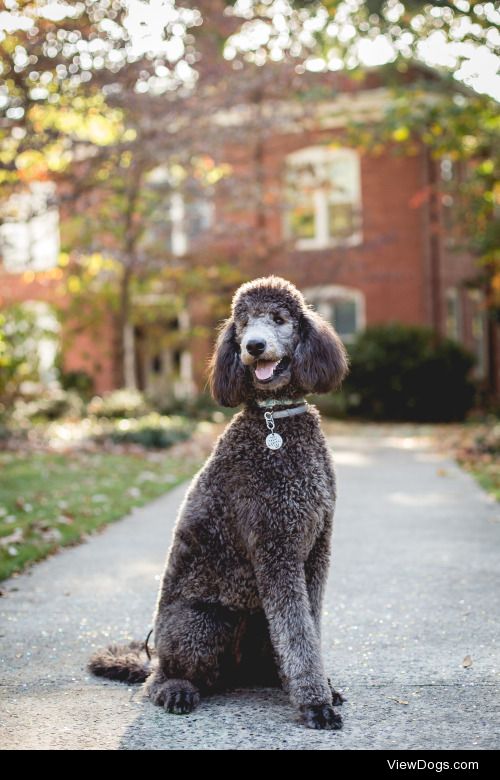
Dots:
pixel 398 372
pixel 119 403
pixel 199 407
pixel 51 403
pixel 331 404
pixel 152 431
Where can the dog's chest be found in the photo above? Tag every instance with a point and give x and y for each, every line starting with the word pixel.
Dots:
pixel 289 491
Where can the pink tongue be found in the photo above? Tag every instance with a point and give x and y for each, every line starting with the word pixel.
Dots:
pixel 264 368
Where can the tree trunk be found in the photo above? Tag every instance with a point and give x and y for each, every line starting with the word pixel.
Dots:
pixel 126 345
pixel 129 356
pixel 127 367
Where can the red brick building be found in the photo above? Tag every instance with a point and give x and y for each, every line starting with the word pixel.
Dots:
pixel 362 235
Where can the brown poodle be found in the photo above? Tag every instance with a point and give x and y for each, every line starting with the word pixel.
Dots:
pixel 240 601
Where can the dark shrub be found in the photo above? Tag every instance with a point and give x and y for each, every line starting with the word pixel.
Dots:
pixel 199 407
pixel 152 430
pixel 331 404
pixel 399 373
pixel 79 381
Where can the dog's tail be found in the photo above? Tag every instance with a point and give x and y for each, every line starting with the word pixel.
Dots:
pixel 128 663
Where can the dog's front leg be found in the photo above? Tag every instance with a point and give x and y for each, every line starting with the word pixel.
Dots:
pixel 316 571
pixel 283 591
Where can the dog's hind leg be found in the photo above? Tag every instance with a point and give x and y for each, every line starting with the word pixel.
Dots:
pixel 195 643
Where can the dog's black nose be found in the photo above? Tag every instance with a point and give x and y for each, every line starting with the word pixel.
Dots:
pixel 255 347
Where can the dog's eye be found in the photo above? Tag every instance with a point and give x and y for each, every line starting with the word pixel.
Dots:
pixel 278 320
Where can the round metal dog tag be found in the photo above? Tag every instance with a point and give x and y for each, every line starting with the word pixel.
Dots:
pixel 274 441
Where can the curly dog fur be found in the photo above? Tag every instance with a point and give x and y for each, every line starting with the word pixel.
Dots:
pixel 241 595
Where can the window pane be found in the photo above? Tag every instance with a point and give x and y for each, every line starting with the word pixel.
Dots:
pixel 343 175
pixel 302 220
pixel 344 313
pixel 478 327
pixel 452 315
pixel 29 235
pixel 341 220
pixel 301 185
pixel 198 218
pixel 45 244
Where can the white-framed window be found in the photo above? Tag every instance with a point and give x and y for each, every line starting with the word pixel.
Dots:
pixel 164 366
pixel 181 218
pixel 323 194
pixel 344 307
pixel 453 322
pixel 29 229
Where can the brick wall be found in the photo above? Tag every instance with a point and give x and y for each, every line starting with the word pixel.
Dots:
pixel 390 267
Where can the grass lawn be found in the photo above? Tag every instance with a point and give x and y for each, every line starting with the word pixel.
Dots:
pixel 488 477
pixel 476 447
pixel 50 500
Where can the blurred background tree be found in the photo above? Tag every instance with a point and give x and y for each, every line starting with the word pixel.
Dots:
pixel 96 92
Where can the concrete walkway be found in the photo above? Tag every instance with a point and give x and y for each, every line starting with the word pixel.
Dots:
pixel 414 589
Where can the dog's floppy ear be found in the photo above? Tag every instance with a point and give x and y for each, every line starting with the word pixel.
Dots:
pixel 320 360
pixel 226 371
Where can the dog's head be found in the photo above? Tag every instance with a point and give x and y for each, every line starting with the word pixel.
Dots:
pixel 274 344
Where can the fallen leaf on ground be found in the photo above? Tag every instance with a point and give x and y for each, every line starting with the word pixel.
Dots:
pixel 65 519
pixel 14 538
pixel 147 476
pixel 52 535
pixel 467 662
pixel 398 701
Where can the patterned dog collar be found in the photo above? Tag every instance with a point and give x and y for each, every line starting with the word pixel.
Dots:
pixel 269 403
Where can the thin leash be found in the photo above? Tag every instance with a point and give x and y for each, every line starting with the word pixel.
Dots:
pixel 146 647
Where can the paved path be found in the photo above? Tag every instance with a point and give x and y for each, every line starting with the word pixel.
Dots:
pixel 414 588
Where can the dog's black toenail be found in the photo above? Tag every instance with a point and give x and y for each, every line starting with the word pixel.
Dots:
pixel 320 716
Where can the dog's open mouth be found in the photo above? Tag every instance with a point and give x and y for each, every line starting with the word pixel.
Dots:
pixel 267 370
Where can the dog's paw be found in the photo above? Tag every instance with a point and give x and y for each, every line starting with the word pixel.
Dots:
pixel 337 698
pixel 320 716
pixel 176 696
pixel 181 702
